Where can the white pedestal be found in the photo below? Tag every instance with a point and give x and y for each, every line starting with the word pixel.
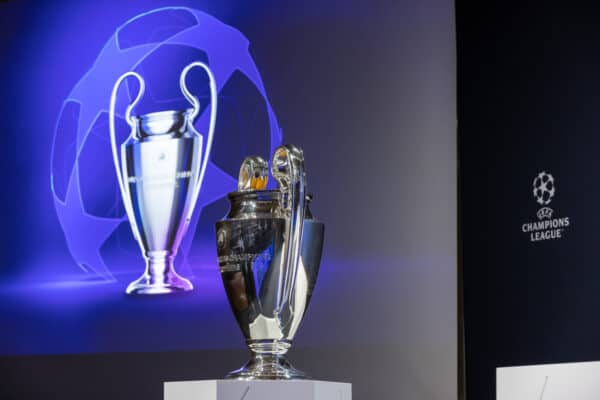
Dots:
pixel 549 382
pixel 257 390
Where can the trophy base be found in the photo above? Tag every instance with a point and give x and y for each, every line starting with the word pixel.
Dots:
pixel 150 285
pixel 267 367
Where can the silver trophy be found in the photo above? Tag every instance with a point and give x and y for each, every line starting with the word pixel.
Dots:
pixel 160 173
pixel 269 248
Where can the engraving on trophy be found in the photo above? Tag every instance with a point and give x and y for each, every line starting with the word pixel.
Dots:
pixel 159 179
pixel 221 237
pixel 236 258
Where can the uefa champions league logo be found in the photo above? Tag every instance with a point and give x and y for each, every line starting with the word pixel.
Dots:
pixel 543 192
pixel 546 228
pixel 543 188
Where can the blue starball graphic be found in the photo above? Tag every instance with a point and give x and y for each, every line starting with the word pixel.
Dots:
pixel 157 45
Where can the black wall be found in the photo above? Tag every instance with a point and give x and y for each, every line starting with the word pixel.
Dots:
pixel 528 101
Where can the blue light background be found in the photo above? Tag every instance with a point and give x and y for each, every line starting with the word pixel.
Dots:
pixel 366 90
pixel 48 285
pixel 42 283
pixel 158 45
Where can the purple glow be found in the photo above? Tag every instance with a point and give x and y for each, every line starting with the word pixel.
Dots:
pixel 96 316
pixel 86 232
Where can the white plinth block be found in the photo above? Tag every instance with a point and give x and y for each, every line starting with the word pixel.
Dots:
pixel 577 381
pixel 257 390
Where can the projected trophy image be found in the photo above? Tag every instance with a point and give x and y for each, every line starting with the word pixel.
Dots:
pixel 269 250
pixel 160 172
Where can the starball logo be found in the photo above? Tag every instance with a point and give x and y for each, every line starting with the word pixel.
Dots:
pixel 546 227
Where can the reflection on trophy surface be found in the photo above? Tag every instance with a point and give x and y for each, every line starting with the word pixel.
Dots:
pixel 160 173
pixel 269 249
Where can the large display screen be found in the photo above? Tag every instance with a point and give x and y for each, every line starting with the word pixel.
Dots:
pixel 366 90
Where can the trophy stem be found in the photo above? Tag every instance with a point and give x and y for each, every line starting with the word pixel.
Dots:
pixel 267 362
pixel 160 277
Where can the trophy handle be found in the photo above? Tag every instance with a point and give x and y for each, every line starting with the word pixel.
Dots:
pixel 211 128
pixel 254 174
pixel 287 168
pixel 113 140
